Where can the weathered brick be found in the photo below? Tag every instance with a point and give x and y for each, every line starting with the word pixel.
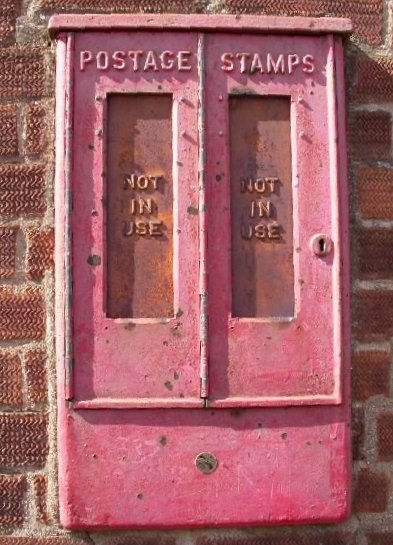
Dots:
pixel 374 253
pixel 40 485
pixel 373 78
pixel 358 425
pixel 371 135
pixel 12 495
pixel 370 374
pixel 49 540
pixel 22 73
pixel 10 7
pixel 292 538
pixel 7 251
pixel 379 538
pixel 371 492
pixel 23 440
pixel 22 314
pixel 375 192
pixel 385 436
pixel 36 377
pixel 372 312
pixel 366 15
pixel 140 540
pixel 22 189
pixel 10 380
pixel 7 29
pixel 35 131
pixel 123 6
pixel 40 246
pixel 9 10
pixel 8 133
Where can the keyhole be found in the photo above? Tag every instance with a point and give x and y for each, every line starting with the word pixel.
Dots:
pixel 321 244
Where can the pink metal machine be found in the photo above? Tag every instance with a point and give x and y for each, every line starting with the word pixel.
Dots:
pixel 202 286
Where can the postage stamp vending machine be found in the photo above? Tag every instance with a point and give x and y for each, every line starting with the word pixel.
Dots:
pixel 202 283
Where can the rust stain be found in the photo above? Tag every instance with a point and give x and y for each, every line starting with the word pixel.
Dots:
pixel 168 385
pixel 261 204
pixel 140 202
pixel 94 260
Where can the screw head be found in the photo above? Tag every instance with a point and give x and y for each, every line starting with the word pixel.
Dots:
pixel 206 462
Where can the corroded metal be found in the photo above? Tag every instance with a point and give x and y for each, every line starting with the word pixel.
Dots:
pixel 139 199
pixel 261 207
pixel 206 462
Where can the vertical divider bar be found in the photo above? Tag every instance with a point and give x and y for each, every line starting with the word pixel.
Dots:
pixel 335 207
pixel 203 293
pixel 69 387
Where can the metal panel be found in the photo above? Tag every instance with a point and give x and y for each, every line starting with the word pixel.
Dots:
pixel 140 202
pixel 230 449
pixel 256 24
pixel 261 207
pixel 143 349
pixel 288 354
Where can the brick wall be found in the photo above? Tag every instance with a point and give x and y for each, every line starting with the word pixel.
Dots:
pixel 28 497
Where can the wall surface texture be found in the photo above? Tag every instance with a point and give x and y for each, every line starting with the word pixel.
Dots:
pixel 28 486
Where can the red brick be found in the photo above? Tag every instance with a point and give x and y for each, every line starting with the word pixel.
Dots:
pixel 23 440
pixel 11 394
pixel 371 135
pixel 36 377
pixel 366 15
pixel 379 538
pixel 9 10
pixel 374 253
pixel 372 312
pixel 29 540
pixel 358 424
pixel 7 29
pixel 7 251
pixel 385 436
pixel 373 78
pixel 124 6
pixel 40 246
pixel 300 537
pixel 22 314
pixel 139 540
pixel 10 7
pixel 371 492
pixel 22 189
pixel 370 374
pixel 375 192
pixel 12 495
pixel 8 133
pixel 35 131
pixel 22 73
pixel 40 485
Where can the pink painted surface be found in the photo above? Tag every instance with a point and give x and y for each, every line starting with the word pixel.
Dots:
pixel 214 23
pixel 128 465
pixel 163 362
pixel 285 359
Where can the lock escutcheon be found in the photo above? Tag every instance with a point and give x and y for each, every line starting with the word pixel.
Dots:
pixel 321 244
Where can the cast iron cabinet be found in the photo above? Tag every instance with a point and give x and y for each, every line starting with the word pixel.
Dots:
pixel 201 271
